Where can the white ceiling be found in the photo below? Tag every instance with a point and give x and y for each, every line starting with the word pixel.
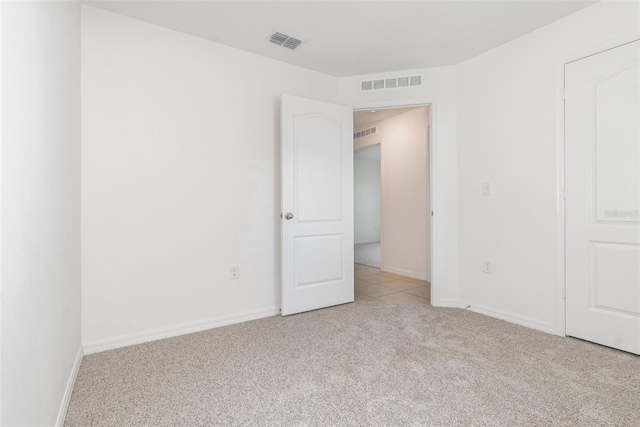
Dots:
pixel 369 153
pixel 349 38
pixel 368 117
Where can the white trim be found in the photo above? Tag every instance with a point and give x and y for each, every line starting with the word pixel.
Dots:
pixel 64 405
pixel 511 317
pixel 176 330
pixel 498 314
pixel 1 91
pixel 449 304
pixel 560 320
pixel 433 142
pixel 407 273
pixel 1 142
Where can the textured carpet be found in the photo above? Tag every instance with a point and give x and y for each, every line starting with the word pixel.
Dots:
pixel 366 363
pixel 367 254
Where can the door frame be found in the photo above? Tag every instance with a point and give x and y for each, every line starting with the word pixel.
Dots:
pixel 432 141
pixel 560 314
pixel 379 142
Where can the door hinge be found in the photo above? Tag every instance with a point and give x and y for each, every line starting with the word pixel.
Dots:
pixel 564 93
pixel 431 213
pixel 564 193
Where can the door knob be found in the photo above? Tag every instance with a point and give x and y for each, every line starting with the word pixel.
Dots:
pixel 288 215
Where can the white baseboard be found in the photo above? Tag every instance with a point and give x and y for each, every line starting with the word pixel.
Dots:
pixel 406 273
pixel 64 405
pixel 499 314
pixel 97 346
pixel 449 304
pixel 513 318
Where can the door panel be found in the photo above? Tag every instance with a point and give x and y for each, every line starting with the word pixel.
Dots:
pixel 318 150
pixel 602 166
pixel 317 190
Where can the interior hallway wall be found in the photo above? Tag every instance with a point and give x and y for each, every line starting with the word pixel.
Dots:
pixel 40 209
pixel 180 179
pixel 405 187
pixel 366 200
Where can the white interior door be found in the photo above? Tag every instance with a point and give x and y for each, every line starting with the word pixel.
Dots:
pixel 317 204
pixel 602 142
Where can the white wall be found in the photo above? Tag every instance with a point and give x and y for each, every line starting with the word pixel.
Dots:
pixel 180 178
pixel 165 116
pixel 439 89
pixel 507 134
pixel 40 176
pixel 405 205
pixel 366 200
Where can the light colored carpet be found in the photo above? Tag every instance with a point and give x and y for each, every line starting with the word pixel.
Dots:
pixel 367 254
pixel 366 363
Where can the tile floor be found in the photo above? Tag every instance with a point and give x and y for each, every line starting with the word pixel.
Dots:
pixel 373 284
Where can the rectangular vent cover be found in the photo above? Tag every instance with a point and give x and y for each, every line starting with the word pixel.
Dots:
pixel 284 40
pixel 365 132
pixel 391 83
pixel 292 43
pixel 278 38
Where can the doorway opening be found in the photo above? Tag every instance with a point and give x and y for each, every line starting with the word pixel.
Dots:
pixel 392 212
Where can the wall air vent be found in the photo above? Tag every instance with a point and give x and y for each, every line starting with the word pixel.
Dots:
pixel 365 132
pixel 284 40
pixel 415 80
pixel 391 83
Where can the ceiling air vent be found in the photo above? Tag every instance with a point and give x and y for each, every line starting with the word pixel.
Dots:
pixel 292 43
pixel 278 38
pixel 391 83
pixel 284 40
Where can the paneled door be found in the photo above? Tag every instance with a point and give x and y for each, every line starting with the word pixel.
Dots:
pixel 602 166
pixel 317 204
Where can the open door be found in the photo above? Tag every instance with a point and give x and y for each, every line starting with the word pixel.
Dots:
pixel 602 167
pixel 317 204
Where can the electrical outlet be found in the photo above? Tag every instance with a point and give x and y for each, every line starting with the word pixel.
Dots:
pixel 235 272
pixel 486 266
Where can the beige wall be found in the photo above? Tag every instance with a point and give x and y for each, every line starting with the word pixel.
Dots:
pixel 405 192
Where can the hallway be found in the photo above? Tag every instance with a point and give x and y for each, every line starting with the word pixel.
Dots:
pixel 373 284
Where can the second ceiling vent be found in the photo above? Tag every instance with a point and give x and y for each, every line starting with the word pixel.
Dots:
pixel 284 40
